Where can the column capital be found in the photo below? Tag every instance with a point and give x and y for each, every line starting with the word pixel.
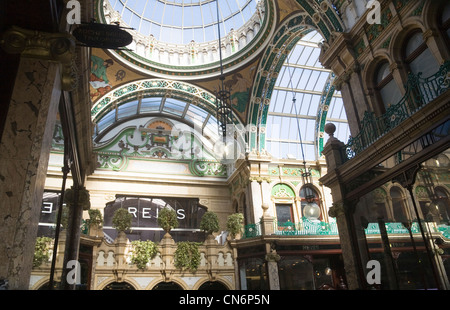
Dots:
pixel 58 47
pixel 341 208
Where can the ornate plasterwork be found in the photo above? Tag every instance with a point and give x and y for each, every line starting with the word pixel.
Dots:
pixel 282 191
pixel 154 88
pixel 156 146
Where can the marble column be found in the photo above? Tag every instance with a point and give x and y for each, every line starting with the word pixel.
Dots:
pixel 46 68
pixel 24 152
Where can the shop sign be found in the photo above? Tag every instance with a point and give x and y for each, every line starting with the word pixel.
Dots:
pixel 102 36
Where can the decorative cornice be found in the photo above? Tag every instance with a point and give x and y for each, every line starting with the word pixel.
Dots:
pixel 58 47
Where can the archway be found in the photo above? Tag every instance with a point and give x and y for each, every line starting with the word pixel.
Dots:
pixel 284 40
pixel 212 285
pixel 167 286
pixel 122 286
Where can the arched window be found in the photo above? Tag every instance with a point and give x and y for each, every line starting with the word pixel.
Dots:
pixel 387 87
pixel 445 23
pixel 398 205
pixel 443 206
pixel 310 203
pixel 418 56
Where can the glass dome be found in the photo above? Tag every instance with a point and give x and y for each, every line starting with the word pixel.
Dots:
pixel 183 21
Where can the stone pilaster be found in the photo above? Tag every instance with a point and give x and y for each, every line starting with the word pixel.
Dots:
pixel 24 152
pixel 272 259
pixel 343 211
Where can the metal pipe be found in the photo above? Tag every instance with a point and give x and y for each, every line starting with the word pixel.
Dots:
pixel 65 171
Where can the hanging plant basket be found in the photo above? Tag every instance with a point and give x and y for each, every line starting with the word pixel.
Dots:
pixel 209 223
pixel 235 224
pixel 187 256
pixel 167 219
pixel 95 218
pixel 122 220
pixel 83 198
pixel 143 252
pixel 41 251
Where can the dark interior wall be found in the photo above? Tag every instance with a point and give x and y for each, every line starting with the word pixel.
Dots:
pixel 41 15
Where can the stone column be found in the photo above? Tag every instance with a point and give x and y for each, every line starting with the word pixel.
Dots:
pixel 267 221
pixel 24 152
pixel 255 188
pixel 272 259
pixel 167 248
pixel 350 252
pixel 25 145
pixel 343 211
pixel 121 243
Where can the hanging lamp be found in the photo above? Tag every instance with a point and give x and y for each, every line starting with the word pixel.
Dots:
pixel 311 210
pixel 223 95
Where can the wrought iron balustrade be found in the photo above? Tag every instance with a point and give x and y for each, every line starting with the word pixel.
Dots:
pixel 306 228
pixel 419 92
pixel 252 230
pixel 392 228
pixel 319 228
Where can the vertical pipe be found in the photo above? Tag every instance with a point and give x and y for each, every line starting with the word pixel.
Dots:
pixel 65 171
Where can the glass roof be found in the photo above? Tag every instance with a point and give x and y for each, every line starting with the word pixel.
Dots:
pixel 181 21
pixel 302 76
pixel 176 109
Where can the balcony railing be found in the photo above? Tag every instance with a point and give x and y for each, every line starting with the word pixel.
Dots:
pixel 252 230
pixel 306 228
pixel 419 92
pixel 319 228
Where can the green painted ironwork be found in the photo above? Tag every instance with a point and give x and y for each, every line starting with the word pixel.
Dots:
pixel 318 228
pixel 419 92
pixel 306 228
pixel 392 228
pixel 252 230
pixel 84 227
pixel 445 230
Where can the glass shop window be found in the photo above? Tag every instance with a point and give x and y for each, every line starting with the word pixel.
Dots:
pixel 398 205
pixel 443 205
pixel 445 23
